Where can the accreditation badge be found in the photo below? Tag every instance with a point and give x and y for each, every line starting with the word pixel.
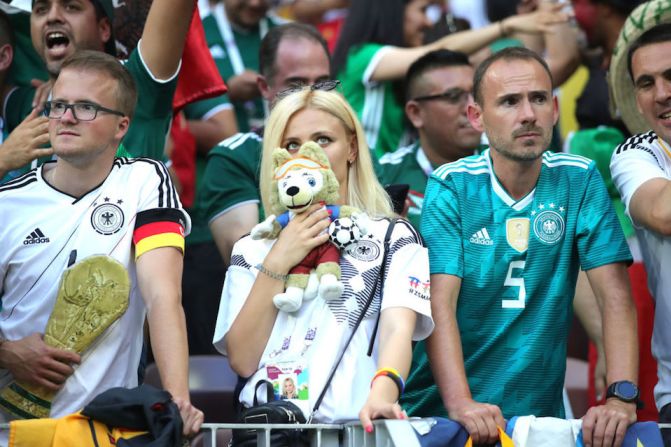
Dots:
pixel 289 379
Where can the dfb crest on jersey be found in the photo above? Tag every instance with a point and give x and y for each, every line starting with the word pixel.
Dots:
pixel 549 225
pixel 107 218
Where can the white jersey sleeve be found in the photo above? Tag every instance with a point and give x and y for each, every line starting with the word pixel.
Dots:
pixel 407 280
pixel 636 161
pixel 158 191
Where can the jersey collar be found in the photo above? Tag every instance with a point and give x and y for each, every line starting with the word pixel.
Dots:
pixel 499 190
pixel 423 161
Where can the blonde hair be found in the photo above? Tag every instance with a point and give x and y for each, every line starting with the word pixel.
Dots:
pixel 363 189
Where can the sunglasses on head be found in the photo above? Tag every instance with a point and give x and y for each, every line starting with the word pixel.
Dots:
pixel 325 86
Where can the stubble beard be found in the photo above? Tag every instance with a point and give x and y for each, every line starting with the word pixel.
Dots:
pixel 531 153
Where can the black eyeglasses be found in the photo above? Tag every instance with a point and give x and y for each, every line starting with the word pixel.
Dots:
pixel 453 96
pixel 82 111
pixel 324 86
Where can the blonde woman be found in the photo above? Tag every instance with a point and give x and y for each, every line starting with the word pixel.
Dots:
pixel 259 340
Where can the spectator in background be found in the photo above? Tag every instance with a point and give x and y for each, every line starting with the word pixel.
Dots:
pixel 27 140
pixel 447 23
pixel 601 21
pixel 499 347
pixel 438 88
pixel 641 169
pixel 290 55
pixel 380 40
pixel 326 15
pixel 558 46
pixel 234 30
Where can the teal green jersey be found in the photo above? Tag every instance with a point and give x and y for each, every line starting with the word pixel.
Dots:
pixel 518 261
pixel 375 103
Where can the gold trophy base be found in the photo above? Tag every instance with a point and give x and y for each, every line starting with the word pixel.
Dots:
pixel 92 295
pixel 26 402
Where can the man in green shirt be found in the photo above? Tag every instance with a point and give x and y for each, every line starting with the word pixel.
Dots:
pixel 438 87
pixel 290 55
pixel 233 31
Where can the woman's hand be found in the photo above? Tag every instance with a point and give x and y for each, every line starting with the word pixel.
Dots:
pixel 379 408
pixel 303 233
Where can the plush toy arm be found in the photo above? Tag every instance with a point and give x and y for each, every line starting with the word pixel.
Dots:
pixel 268 229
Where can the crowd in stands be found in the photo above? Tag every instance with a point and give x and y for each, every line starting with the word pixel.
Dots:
pixel 508 161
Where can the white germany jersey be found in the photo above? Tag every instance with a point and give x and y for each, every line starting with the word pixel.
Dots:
pixel 313 336
pixel 641 158
pixel 43 231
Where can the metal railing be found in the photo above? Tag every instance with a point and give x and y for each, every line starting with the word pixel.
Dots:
pixel 386 433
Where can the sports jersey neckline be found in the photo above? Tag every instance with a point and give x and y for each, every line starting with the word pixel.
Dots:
pixel 500 191
pixel 76 199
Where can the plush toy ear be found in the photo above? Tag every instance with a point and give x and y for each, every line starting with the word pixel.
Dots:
pixel 280 156
pixel 313 151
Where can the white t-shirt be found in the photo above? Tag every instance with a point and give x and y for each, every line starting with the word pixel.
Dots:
pixel 317 332
pixel 641 158
pixel 42 230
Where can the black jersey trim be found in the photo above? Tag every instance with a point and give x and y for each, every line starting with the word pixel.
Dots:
pixel 19 182
pixel 160 215
pixel 167 195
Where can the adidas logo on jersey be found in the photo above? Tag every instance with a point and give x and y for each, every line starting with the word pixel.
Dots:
pixel 481 238
pixel 36 237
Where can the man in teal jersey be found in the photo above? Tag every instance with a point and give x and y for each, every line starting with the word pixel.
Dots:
pixel 439 85
pixel 58 29
pixel 233 30
pixel 507 232
pixel 290 55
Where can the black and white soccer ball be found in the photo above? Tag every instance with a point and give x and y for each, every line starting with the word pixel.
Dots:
pixel 344 232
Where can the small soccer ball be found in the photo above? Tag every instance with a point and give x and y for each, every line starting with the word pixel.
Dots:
pixel 344 232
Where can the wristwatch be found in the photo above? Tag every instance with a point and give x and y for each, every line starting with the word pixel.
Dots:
pixel 624 390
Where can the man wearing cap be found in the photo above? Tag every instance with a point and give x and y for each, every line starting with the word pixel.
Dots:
pixel 60 27
pixel 641 169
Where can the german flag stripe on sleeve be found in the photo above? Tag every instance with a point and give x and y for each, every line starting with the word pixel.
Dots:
pixel 155 230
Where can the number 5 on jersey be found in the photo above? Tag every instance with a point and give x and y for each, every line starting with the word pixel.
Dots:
pixel 515 281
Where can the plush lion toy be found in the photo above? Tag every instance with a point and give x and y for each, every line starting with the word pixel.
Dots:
pixel 299 181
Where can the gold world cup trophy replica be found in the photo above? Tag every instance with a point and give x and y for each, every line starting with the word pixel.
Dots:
pixel 92 295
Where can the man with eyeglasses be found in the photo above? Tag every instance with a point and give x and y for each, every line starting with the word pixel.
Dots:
pixel 438 88
pixel 86 203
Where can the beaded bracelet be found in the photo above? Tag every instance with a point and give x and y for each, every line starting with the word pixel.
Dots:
pixel 261 268
pixel 393 375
